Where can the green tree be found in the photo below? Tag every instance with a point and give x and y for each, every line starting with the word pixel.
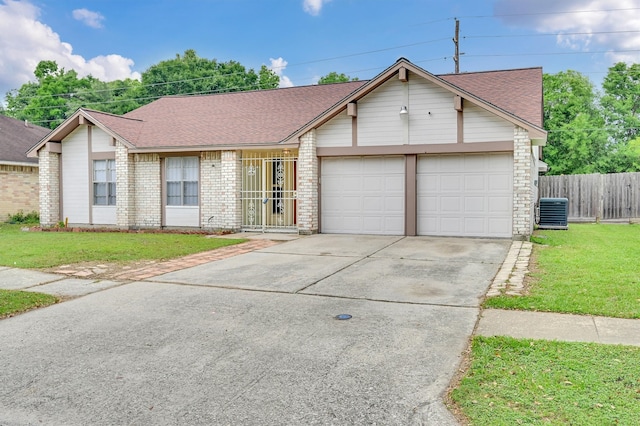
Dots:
pixel 621 101
pixel 115 97
pixel 621 108
pixel 190 74
pixel 577 140
pixel 45 102
pixel 334 77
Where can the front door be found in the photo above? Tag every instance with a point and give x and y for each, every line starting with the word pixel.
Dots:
pixel 269 192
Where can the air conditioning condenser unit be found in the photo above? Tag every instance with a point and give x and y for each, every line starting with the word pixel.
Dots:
pixel 554 213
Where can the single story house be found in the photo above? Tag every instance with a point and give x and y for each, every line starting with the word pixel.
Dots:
pixel 405 153
pixel 18 173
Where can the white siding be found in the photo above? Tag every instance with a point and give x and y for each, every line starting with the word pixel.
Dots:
pixel 182 216
pixel 363 195
pixel 101 141
pixel 75 177
pixel 336 132
pixel 104 215
pixel 483 126
pixel 379 121
pixel 438 127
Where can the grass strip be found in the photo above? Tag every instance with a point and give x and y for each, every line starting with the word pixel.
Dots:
pixel 13 301
pixel 521 381
pixel 589 269
pixel 48 249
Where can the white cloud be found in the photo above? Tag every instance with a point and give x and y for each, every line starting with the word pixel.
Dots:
pixel 25 41
pixel 600 20
pixel 278 66
pixel 313 7
pixel 89 18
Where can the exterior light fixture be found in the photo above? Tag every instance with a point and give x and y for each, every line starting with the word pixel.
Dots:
pixel 404 110
pixel 286 151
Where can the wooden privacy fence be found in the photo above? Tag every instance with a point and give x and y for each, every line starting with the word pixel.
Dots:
pixel 596 197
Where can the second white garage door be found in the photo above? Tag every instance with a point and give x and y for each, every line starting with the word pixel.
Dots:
pixel 362 195
pixel 465 195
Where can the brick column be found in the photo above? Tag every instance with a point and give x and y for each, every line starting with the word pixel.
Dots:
pixel 148 191
pixel 308 184
pixel 230 187
pixel 522 185
pixel 49 181
pixel 210 190
pixel 124 186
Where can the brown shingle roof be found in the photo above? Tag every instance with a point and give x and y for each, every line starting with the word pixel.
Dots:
pixel 128 128
pixel 239 118
pixel 16 139
pixel 517 91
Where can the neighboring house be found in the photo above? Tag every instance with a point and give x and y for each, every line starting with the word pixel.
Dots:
pixel 406 153
pixel 18 173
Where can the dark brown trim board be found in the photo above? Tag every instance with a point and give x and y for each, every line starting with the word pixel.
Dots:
pixel 410 195
pixel 449 148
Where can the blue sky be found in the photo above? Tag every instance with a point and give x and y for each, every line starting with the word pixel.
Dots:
pixel 305 39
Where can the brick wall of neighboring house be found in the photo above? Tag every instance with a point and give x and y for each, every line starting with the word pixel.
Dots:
pixel 522 184
pixel 18 189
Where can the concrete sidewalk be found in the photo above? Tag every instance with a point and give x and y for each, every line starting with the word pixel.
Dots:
pixel 563 327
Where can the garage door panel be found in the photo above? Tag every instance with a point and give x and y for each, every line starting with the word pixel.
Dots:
pixel 465 195
pixel 366 195
pixel 475 182
pixel 450 183
pixel 498 204
pixel 450 225
pixel 394 184
pixel 474 205
pixel 499 182
pixel 499 225
pixel 474 225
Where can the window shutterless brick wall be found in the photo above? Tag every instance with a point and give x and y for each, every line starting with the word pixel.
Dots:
pixel 230 185
pixel 147 191
pixel 522 184
pixel 49 179
pixel 125 183
pixel 211 189
pixel 308 184
pixel 18 189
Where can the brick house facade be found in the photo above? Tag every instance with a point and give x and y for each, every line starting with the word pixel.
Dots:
pixel 357 157
pixel 19 181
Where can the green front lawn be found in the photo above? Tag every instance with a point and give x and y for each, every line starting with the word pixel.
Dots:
pixel 12 301
pixel 590 269
pixel 49 249
pixel 519 381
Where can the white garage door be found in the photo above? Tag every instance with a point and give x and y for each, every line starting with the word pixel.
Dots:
pixel 362 195
pixel 465 195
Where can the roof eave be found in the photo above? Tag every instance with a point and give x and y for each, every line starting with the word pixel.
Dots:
pixel 197 148
pixel 79 117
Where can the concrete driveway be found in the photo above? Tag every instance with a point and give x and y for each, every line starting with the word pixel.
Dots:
pixel 253 339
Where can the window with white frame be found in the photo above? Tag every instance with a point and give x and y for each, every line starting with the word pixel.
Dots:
pixel 104 182
pixel 181 174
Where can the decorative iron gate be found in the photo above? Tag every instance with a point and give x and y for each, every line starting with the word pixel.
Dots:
pixel 269 192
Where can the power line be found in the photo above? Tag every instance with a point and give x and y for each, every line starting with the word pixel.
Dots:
pixel 550 13
pixel 551 34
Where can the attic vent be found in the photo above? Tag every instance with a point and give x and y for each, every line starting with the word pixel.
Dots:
pixel 554 213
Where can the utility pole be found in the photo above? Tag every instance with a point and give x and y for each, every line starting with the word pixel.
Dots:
pixel 456 42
